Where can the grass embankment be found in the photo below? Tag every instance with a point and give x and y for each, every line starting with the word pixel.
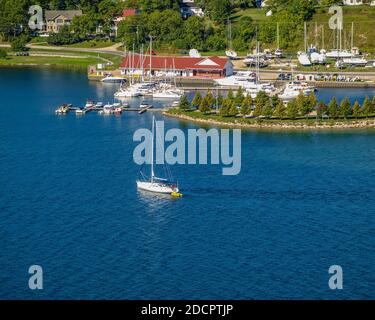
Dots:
pixel 67 59
pixel 263 123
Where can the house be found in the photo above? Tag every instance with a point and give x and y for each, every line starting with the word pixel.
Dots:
pixel 189 8
pixel 205 67
pixel 56 19
pixel 353 2
pixel 125 14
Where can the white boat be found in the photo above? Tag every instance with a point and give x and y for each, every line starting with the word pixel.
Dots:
pixel 318 58
pixel 255 88
pixel 241 78
pixel 99 105
pixel 355 61
pixel 194 53
pixel 278 53
pixel 337 54
pixel 294 89
pixel 108 109
pixel 231 54
pixel 80 111
pixel 167 94
pixel 128 92
pixel 112 79
pixel 153 183
pixel 303 59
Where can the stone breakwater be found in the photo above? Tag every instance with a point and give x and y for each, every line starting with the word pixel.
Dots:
pixel 338 125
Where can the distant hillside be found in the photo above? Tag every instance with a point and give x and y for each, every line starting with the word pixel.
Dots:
pixel 362 16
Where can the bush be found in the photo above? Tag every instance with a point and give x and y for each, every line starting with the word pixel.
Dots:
pixel 3 54
pixel 18 44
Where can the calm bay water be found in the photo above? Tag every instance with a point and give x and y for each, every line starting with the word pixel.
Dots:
pixel 68 202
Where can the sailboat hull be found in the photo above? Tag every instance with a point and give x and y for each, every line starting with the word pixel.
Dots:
pixel 156 187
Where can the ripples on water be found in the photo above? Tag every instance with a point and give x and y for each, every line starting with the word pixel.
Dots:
pixel 68 201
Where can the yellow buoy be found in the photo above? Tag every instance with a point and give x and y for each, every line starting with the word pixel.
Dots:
pixel 176 194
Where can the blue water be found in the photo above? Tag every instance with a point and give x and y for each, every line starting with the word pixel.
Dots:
pixel 68 202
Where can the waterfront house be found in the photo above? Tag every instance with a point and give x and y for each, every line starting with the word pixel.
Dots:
pixel 160 66
pixel 189 8
pixel 56 19
pixel 353 2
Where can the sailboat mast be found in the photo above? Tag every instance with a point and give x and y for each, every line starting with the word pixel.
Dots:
pixel 152 149
pixel 305 29
pixel 278 36
pixel 352 37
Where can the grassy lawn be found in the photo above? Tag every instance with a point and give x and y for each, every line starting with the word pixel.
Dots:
pixel 239 120
pixel 256 14
pixel 94 44
pixel 364 27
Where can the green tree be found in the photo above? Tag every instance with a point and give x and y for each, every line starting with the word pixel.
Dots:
pixel 279 110
pixel 204 106
pixel 233 111
pixel 302 105
pixel 333 108
pixel 356 109
pixel 230 95
pixel 366 107
pixel 220 100
pixel 184 103
pixel 372 108
pixel 3 54
pixel 197 100
pixel 345 108
pixel 267 110
pixel 292 109
pixel 239 96
pixel 210 99
pixel 321 110
pixel 18 44
pixel 246 105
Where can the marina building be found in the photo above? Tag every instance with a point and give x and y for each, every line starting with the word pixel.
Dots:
pixel 159 66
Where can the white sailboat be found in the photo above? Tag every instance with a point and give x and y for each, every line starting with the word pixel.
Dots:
pixel 154 183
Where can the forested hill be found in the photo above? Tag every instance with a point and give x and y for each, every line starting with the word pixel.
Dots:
pixel 162 19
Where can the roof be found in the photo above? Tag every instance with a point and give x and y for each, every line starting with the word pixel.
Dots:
pixel 129 12
pixel 178 63
pixel 69 14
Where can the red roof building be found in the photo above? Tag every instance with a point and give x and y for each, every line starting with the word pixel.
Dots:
pixel 129 12
pixel 205 67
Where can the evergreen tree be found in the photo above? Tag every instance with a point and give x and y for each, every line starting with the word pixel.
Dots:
pixel 302 104
pixel 184 103
pixel 233 111
pixel 321 110
pixel 279 110
pixel 345 108
pixel 267 110
pixel 292 109
pixel 230 95
pixel 204 106
pixel 220 100
pixel 366 107
pixel 356 109
pixel 333 108
pixel 246 105
pixel 239 96
pixel 372 108
pixel 210 99
pixel 197 100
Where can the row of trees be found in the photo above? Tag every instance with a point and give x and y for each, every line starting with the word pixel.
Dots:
pixel 273 107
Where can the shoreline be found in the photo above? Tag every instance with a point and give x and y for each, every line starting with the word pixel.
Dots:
pixel 297 126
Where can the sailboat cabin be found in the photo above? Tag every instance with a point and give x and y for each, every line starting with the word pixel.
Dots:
pixel 159 66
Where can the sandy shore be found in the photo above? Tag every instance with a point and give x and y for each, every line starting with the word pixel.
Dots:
pixel 352 124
